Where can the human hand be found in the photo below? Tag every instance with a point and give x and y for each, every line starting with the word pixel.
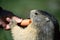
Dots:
pixel 22 22
pixel 5 25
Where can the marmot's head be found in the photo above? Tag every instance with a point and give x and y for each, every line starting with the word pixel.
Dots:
pixel 39 17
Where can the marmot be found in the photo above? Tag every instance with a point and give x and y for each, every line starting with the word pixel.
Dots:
pixel 44 26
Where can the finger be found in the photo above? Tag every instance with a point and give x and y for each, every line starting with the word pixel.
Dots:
pixel 7 27
pixel 8 19
pixel 2 23
pixel 18 20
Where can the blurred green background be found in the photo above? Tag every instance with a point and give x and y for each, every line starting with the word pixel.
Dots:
pixel 22 8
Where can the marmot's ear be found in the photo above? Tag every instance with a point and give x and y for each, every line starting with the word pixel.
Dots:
pixel 1 8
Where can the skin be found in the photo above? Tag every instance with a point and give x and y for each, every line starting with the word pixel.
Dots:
pixel 22 22
pixel 6 26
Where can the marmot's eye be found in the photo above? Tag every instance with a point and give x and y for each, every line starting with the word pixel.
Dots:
pixel 36 13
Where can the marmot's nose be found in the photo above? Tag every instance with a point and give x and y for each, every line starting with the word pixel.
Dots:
pixel 33 11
